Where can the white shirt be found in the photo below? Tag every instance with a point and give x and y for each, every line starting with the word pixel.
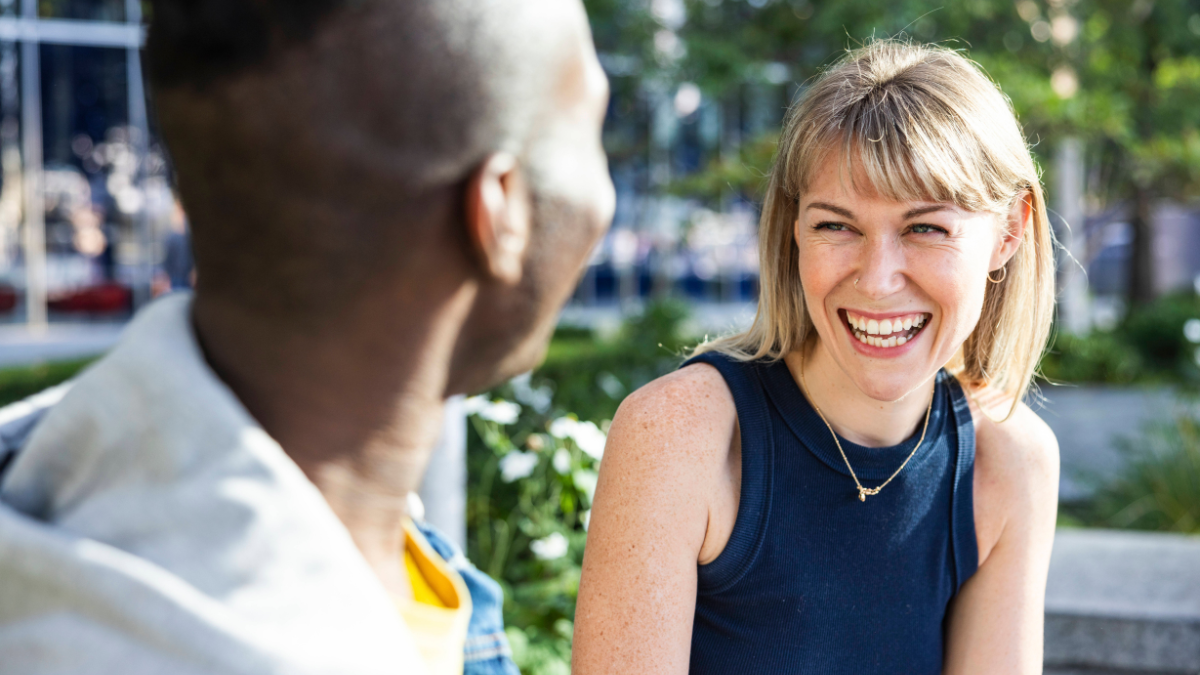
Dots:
pixel 151 526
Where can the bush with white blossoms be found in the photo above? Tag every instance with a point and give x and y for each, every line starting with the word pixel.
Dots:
pixel 533 451
pixel 534 473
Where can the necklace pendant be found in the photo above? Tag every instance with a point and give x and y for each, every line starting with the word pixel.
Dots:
pixel 862 495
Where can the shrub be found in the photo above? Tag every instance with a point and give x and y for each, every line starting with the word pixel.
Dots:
pixel 533 455
pixel 590 377
pixel 1159 488
pixel 1148 347
pixel 533 476
pixel 18 383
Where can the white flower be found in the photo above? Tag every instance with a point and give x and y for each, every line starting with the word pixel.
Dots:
pixel 590 439
pixel 549 548
pixel 586 480
pixel 516 465
pixel 538 398
pixel 1191 330
pixel 500 412
pixel 586 435
pixel 562 460
pixel 563 427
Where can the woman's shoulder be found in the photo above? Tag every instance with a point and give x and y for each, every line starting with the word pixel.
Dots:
pixel 1016 467
pixel 691 402
pixel 1021 437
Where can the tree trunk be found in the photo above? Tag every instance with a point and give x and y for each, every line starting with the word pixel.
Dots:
pixel 1141 262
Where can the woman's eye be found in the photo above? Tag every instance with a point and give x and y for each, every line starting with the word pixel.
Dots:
pixel 832 227
pixel 926 229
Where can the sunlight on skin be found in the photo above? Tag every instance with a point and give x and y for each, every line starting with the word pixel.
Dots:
pixel 908 258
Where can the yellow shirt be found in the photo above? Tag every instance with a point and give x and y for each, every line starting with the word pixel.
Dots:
pixel 440 609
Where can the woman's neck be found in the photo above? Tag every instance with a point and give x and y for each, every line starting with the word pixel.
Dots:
pixel 852 414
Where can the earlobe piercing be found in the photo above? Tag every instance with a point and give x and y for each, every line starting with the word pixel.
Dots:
pixel 856 283
pixel 1003 275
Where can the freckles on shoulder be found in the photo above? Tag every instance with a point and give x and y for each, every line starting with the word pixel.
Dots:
pixel 689 413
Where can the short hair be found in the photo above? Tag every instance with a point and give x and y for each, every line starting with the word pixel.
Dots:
pixel 922 123
pixel 194 42
pixel 310 135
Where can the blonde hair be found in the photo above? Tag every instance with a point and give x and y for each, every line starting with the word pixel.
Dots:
pixel 923 123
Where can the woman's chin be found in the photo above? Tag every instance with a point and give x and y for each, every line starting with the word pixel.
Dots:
pixel 889 388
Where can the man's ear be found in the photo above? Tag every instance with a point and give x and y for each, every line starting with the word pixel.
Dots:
pixel 498 215
pixel 1016 222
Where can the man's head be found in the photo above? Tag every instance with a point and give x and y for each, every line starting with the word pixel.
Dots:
pixel 336 156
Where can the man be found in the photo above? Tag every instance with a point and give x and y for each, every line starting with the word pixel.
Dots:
pixel 390 200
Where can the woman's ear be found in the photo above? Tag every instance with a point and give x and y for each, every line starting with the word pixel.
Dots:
pixel 1016 222
pixel 498 217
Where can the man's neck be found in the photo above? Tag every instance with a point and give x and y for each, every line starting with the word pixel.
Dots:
pixel 852 414
pixel 357 405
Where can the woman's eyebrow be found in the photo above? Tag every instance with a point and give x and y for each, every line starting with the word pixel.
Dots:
pixel 922 210
pixel 830 207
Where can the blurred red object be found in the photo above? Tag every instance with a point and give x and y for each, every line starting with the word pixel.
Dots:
pixel 8 298
pixel 101 299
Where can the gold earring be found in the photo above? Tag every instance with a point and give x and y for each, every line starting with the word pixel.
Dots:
pixel 1003 276
pixel 856 283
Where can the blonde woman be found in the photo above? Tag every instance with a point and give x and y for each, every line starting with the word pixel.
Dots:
pixel 853 484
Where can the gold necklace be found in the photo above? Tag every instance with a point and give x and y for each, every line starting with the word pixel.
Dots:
pixel 864 491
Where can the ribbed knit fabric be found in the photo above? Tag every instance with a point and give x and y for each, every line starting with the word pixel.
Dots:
pixel 814 581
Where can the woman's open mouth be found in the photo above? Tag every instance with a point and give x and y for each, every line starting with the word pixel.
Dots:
pixel 885 333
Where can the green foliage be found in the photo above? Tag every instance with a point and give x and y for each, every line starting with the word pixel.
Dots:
pixel 747 174
pixel 18 383
pixel 1160 487
pixel 1149 347
pixel 590 377
pixel 532 483
pixel 533 468
pixel 1097 358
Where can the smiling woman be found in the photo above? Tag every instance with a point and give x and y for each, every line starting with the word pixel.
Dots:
pixel 853 484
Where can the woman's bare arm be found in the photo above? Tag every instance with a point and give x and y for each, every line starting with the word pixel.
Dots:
pixel 659 505
pixel 996 622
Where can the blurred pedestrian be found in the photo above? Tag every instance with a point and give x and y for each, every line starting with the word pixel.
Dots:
pixel 176 272
pixel 389 203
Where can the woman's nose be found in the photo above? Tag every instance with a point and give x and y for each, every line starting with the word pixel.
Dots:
pixel 881 270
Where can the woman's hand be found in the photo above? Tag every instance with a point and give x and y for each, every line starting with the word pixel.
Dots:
pixel 666 500
pixel 996 621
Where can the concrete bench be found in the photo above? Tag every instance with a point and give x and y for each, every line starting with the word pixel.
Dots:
pixel 1123 603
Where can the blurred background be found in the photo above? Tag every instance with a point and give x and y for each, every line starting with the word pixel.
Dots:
pixel 1108 92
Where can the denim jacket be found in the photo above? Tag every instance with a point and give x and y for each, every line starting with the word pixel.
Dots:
pixel 487 651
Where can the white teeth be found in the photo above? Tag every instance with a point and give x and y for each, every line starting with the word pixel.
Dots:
pixel 876 332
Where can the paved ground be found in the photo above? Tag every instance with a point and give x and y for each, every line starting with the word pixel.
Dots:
pixel 1089 420
pixel 1123 602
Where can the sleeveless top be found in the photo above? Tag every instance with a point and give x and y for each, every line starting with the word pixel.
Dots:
pixel 815 581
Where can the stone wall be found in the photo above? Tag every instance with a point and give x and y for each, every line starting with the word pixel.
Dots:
pixel 1124 603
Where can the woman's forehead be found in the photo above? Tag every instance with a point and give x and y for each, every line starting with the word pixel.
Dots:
pixel 861 170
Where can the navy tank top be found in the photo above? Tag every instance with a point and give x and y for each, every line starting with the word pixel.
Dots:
pixel 814 581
